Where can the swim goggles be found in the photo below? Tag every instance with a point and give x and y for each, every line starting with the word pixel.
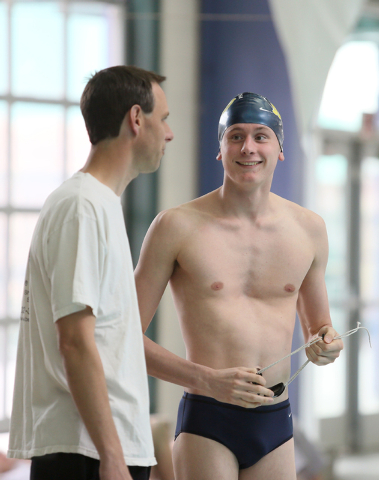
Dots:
pixel 279 388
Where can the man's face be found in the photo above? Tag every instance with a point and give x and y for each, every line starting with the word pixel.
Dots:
pixel 156 133
pixel 249 152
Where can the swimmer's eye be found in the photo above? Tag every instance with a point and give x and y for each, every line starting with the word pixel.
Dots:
pixel 261 138
pixel 236 137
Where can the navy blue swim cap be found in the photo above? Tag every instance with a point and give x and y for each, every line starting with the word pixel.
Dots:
pixel 251 108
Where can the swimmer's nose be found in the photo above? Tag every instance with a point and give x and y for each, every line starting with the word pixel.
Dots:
pixel 249 146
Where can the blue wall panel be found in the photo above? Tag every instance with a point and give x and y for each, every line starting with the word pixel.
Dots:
pixel 242 53
pixel 235 6
pixel 239 55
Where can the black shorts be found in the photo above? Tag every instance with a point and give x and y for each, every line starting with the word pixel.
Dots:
pixel 74 466
pixel 249 433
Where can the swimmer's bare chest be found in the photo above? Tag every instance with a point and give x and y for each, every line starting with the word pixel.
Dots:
pixel 228 260
pixel 235 285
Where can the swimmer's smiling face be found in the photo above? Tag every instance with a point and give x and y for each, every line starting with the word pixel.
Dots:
pixel 249 151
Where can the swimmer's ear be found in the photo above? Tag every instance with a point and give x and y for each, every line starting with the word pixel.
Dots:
pixel 219 157
pixel 281 156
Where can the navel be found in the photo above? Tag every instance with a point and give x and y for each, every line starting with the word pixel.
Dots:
pixel 217 286
pixel 289 288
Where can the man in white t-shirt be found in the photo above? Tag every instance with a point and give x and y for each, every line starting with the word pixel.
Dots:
pixel 81 408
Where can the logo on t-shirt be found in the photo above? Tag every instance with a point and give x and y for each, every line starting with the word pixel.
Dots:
pixel 25 303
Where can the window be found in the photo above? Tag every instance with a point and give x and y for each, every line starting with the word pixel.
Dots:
pixel 331 184
pixel 351 89
pixel 47 50
pixel 346 196
pixel 369 274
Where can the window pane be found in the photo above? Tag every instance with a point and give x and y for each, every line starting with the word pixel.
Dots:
pixel 2 370
pixel 351 91
pixel 368 363
pixel 369 358
pixel 37 49
pixel 370 229
pixel 37 152
pixel 3 154
pixel 4 440
pixel 3 48
pixel 78 144
pixel 3 279
pixel 330 381
pixel 331 194
pixel 87 50
pixel 21 227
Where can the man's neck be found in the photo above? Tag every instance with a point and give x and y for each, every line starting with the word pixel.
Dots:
pixel 111 163
pixel 252 201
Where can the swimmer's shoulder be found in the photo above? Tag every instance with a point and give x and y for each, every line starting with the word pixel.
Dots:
pixel 310 221
pixel 188 214
pixel 182 220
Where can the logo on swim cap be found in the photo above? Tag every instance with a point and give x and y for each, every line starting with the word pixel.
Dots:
pixel 274 110
pixel 251 108
pixel 228 105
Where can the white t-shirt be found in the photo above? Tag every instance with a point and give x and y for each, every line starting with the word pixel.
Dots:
pixel 80 256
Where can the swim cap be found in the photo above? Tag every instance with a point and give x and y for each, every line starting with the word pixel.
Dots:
pixel 251 108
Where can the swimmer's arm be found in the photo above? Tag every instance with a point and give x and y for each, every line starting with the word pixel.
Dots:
pixel 313 304
pixel 155 266
pixel 157 261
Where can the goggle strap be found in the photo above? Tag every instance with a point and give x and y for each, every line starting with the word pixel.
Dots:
pixel 306 345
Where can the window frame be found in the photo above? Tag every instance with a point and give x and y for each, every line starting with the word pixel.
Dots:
pixel 352 429
pixel 67 7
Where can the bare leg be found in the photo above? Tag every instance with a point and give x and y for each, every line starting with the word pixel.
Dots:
pixel 200 458
pixel 277 465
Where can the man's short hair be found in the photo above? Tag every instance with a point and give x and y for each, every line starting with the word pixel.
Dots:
pixel 110 94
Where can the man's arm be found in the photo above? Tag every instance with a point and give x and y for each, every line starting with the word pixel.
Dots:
pixel 86 380
pixel 313 305
pixel 159 253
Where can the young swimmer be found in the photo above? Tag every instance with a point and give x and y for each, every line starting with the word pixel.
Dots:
pixel 241 261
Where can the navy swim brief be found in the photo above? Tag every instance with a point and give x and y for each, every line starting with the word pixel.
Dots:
pixel 249 433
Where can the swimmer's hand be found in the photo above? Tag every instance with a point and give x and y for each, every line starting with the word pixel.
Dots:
pixel 326 350
pixel 239 386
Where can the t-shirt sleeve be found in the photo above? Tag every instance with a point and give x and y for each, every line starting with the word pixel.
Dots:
pixel 75 258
